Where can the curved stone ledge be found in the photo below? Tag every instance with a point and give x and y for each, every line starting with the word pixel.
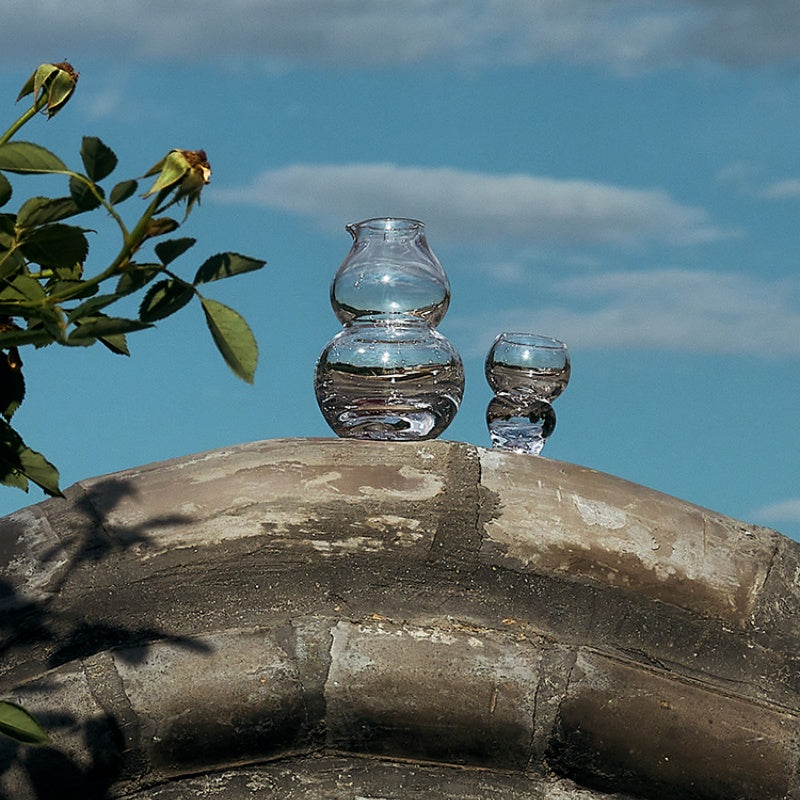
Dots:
pixel 512 623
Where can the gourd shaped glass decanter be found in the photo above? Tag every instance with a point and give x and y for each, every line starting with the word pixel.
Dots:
pixel 390 270
pixel 388 375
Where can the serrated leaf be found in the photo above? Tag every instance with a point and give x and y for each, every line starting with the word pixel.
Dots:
pixel 161 226
pixel 19 464
pixel 44 210
pixel 91 306
pixel 164 298
pixel 223 265
pixel 5 190
pixel 17 723
pixel 83 196
pixel 27 157
pixel 23 287
pixel 11 262
pixel 116 343
pixel 169 250
pixel 55 245
pixel 101 326
pixel 233 338
pixel 122 191
pixel 99 160
pixel 136 276
pixel 37 336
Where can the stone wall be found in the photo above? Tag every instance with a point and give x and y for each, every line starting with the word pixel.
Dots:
pixel 340 619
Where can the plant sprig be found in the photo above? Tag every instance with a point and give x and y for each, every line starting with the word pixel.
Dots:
pixel 48 295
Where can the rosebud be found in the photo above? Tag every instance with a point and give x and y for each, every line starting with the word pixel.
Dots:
pixel 186 171
pixel 51 86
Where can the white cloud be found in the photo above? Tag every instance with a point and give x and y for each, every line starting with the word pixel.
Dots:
pixel 783 511
pixel 625 34
pixel 782 190
pixel 466 205
pixel 670 309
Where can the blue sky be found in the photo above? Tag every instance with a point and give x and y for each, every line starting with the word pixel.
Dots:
pixel 620 174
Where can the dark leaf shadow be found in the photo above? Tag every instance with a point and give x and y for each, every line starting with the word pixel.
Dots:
pixel 38 626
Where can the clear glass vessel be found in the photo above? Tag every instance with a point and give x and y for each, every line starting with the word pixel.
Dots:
pixel 527 372
pixel 528 363
pixel 520 423
pixel 389 377
pixel 390 270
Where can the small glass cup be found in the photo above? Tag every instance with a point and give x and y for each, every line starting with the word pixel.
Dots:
pixel 527 372
pixel 528 363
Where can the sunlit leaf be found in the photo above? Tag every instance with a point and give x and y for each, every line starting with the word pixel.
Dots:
pixel 24 157
pixel 17 723
pixel 116 343
pixel 164 298
pixel 223 265
pixel 23 287
pixel 169 250
pixel 99 160
pixel 233 338
pixel 122 191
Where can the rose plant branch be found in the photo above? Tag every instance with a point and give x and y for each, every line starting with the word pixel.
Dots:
pixel 49 295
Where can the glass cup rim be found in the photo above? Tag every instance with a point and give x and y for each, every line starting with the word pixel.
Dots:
pixel 529 340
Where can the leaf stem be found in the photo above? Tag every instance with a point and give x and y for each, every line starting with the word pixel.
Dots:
pixel 37 106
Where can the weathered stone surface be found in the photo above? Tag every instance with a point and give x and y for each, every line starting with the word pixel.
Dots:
pixel 326 618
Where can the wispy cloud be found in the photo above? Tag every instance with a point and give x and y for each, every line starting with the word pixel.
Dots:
pixel 782 511
pixel 782 190
pixel 669 309
pixel 624 34
pixel 467 205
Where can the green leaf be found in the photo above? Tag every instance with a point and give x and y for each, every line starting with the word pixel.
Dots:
pixel 164 298
pixel 99 160
pixel 35 336
pixel 223 265
pixel 22 288
pixel 12 384
pixel 170 249
pixel 91 306
pixel 233 338
pixel 122 191
pixel 43 210
pixel 17 723
pixel 136 276
pixel 26 157
pixel 83 196
pixel 11 262
pixel 19 464
pixel 116 343
pixel 101 326
pixel 5 190
pixel 55 245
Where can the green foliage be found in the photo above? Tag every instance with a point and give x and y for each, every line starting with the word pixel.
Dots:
pixel 17 723
pixel 48 293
